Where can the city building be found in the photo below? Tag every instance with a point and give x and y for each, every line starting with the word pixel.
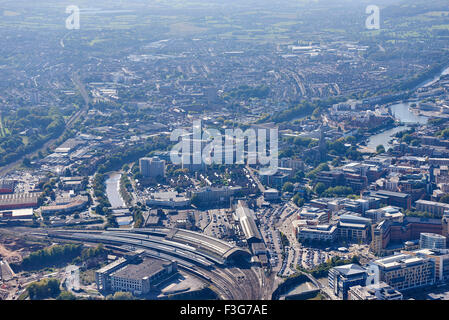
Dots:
pixel 19 200
pixel 66 205
pixel 432 241
pixel 405 271
pixel 353 228
pixel 436 208
pixel 318 216
pixel 379 291
pixel 390 198
pixel 271 195
pixel 342 278
pixel 170 199
pixel 388 232
pixel 323 232
pixel 441 259
pixel 152 167
pixel 390 213
pixel 212 195
pixel 134 274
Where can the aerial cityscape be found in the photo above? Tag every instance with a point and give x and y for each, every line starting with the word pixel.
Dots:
pixel 224 150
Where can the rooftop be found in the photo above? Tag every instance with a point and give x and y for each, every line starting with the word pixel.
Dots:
pixel 146 268
pixel 350 269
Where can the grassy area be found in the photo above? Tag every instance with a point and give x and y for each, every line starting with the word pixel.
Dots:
pixel 24 295
pixel 319 296
pixel 87 277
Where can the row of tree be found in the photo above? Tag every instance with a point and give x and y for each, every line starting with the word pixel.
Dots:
pixel 47 288
pixel 51 256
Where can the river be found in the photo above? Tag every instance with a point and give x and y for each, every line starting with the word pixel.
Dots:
pixel 401 111
pixel 113 190
pixel 435 79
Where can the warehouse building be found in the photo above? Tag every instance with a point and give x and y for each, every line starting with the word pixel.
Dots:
pixel 19 200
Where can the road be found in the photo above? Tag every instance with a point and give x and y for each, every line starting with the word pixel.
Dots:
pixel 255 178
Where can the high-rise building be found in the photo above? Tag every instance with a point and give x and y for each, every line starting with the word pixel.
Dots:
pixel 152 167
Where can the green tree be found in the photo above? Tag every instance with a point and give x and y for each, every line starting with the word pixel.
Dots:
pixel 288 187
pixel 298 200
pixel 445 198
pixel 121 296
pixel 66 295
pixel 26 162
pixel 47 288
pixel 319 188
pixel 380 149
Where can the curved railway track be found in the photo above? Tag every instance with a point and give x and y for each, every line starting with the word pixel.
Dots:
pixel 231 283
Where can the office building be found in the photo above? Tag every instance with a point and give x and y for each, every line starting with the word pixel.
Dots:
pixel 405 271
pixel 432 241
pixel 342 278
pixel 212 195
pixel 322 232
pixel 440 258
pixel 388 232
pixel 390 198
pixel 169 199
pixel 353 228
